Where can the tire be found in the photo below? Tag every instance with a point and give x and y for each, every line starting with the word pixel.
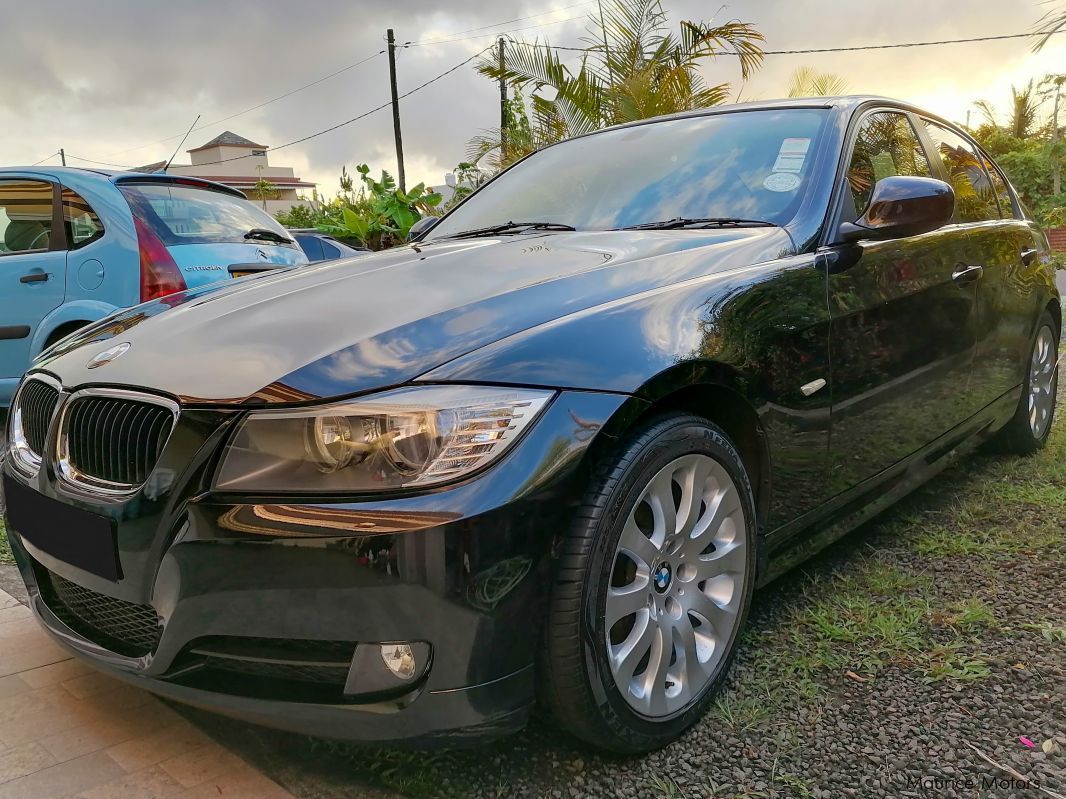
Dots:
pixel 578 686
pixel 1029 428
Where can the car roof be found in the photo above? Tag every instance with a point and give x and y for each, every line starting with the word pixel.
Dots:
pixel 842 102
pixel 75 174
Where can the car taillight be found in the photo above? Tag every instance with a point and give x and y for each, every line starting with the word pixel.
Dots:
pixel 160 275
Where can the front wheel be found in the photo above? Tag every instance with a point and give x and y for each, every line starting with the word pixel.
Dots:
pixel 652 588
pixel 1029 428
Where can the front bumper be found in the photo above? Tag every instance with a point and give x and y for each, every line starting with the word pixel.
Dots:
pixel 461 570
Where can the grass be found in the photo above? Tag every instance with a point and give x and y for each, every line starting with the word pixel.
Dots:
pixel 5 547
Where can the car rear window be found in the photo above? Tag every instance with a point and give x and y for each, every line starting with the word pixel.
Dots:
pixel 183 214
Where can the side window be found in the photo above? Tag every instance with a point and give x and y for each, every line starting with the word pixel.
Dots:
pixel 975 195
pixel 25 216
pixel 83 225
pixel 311 246
pixel 999 186
pixel 329 252
pixel 885 146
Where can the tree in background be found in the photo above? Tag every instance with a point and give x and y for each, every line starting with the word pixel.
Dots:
pixel 633 67
pixel 1029 148
pixel 1048 25
pixel 809 82
pixel 380 215
pixel 264 189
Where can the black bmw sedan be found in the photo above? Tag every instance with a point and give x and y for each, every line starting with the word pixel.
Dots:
pixel 546 452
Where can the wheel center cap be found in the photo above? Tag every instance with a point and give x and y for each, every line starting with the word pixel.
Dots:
pixel 661 577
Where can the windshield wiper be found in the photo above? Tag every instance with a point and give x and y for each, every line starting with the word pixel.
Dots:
pixel 510 227
pixel 683 222
pixel 266 234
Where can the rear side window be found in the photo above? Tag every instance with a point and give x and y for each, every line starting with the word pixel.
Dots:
pixel 25 216
pixel 999 186
pixel 329 252
pixel 975 195
pixel 83 225
pixel 311 246
pixel 885 146
pixel 182 214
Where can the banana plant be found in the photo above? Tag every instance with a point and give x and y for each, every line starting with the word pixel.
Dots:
pixel 382 215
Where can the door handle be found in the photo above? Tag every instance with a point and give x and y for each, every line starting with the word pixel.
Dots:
pixel 1029 255
pixel 34 277
pixel 964 274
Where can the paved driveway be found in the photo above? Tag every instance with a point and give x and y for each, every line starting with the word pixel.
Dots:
pixel 68 731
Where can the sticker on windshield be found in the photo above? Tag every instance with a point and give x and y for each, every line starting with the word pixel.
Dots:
pixel 781 181
pixel 791 156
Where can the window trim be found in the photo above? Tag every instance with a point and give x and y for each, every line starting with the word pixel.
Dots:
pixel 946 176
pixel 57 239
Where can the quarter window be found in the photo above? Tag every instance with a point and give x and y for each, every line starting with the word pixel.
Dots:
pixel 83 225
pixel 25 216
pixel 885 146
pixel 975 194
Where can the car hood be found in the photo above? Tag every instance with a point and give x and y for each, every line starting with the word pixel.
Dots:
pixel 356 325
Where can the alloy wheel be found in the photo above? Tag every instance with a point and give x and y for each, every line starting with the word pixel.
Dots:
pixel 677 586
pixel 1042 381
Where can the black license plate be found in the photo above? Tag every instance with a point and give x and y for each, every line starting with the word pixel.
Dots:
pixel 78 537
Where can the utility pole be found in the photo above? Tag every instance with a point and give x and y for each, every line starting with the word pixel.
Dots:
pixel 396 112
pixel 503 102
pixel 1056 162
pixel 63 155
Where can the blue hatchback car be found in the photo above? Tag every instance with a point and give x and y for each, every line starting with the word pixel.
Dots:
pixel 78 244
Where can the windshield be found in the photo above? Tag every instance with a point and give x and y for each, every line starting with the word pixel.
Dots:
pixel 181 214
pixel 754 165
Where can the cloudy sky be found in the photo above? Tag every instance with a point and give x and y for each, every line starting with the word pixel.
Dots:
pixel 117 82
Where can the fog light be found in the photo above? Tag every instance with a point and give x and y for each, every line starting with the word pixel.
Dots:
pixel 400 660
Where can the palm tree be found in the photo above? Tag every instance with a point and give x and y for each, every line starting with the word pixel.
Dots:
pixel 633 67
pixel 1047 26
pixel 1025 105
pixel 808 82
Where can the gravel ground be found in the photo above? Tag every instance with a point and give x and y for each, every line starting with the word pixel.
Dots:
pixel 869 672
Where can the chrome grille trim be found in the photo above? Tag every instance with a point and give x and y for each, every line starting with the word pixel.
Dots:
pixel 112 448
pixel 32 412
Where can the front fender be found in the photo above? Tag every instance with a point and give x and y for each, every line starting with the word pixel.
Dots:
pixel 77 311
pixel 761 331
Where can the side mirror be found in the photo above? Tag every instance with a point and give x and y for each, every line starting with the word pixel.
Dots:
pixel 421 227
pixel 902 206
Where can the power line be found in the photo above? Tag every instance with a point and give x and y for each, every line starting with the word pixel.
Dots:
pixel 364 115
pixel 98 163
pixel 256 107
pixel 46 158
pixel 866 46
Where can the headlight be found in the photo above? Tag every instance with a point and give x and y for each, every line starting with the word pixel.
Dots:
pixel 410 437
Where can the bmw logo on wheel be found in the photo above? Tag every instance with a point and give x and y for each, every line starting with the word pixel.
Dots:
pixel 661 577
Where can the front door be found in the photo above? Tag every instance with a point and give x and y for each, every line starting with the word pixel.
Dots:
pixel 32 269
pixel 902 320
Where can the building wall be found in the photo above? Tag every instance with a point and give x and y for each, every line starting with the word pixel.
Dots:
pixel 1057 238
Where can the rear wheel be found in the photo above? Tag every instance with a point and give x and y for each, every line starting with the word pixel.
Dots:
pixel 1029 428
pixel 652 588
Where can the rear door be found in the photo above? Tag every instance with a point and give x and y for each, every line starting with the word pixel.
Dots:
pixel 903 328
pixel 206 231
pixel 33 262
pixel 1007 248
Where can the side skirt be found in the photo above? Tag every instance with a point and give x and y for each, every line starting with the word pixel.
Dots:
pixel 795 542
